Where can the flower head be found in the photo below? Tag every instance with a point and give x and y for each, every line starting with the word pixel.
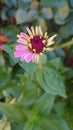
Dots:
pixel 33 45
pixel 3 40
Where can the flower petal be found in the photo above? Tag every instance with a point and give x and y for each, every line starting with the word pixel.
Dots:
pixel 24 36
pixel 29 32
pixel 49 49
pixel 20 47
pixel 51 38
pixel 49 43
pixel 34 58
pixel 21 40
pixel 24 55
pixel 37 58
pixel 28 57
pixel 18 53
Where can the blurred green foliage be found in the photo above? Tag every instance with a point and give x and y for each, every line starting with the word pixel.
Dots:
pixel 41 100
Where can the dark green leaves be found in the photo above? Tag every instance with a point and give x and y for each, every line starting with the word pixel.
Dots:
pixel 4 78
pixel 50 80
pixel 10 51
pixel 57 123
pixel 51 123
pixel 44 103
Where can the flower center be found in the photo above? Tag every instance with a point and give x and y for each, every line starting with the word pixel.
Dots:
pixel 38 43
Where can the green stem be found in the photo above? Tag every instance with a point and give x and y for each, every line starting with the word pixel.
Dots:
pixel 63 45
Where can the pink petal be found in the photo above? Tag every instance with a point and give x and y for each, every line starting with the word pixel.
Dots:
pixel 21 53
pixel 18 53
pixel 20 47
pixel 21 40
pixel 23 35
pixel 28 57
pixel 22 58
pixel 1 48
pixel 34 58
pixel 24 55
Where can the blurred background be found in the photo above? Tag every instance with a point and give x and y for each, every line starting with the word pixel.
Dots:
pixel 55 17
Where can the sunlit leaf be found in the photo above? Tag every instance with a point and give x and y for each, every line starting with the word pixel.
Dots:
pixel 13 112
pixel 5 125
pixel 61 14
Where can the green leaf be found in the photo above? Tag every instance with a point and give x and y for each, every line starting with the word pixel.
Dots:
pixel 44 123
pixel 57 123
pixel 11 31
pixel 44 103
pixel 50 80
pixel 27 0
pixel 10 51
pixel 13 111
pixel 61 13
pixel 17 126
pixel 10 3
pixel 4 78
pixel 4 125
pixel 71 3
pixel 23 16
pixel 28 126
pixel 53 3
pixel 47 13
pixel 29 67
pixel 53 123
pixel 20 16
pixel 60 52
pixel 67 30
pixel 1 61
pixel 3 14
pixel 57 63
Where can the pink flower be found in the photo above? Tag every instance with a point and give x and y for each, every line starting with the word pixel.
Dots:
pixel 33 45
pixel 3 40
